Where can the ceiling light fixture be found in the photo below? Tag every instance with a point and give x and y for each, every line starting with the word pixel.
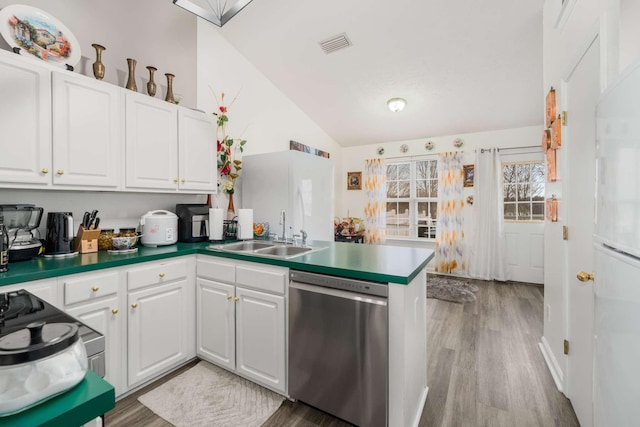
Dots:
pixel 212 10
pixel 396 104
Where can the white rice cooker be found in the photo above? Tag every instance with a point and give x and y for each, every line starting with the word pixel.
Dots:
pixel 159 228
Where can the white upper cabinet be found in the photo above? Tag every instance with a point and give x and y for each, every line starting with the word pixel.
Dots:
pixel 25 120
pixel 87 133
pixel 151 143
pixel 197 151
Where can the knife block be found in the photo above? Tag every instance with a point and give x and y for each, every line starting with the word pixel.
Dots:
pixel 87 240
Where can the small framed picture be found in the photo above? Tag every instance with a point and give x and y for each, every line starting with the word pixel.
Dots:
pixel 354 180
pixel 468 175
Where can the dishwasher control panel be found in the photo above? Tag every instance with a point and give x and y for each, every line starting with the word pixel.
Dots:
pixel 343 283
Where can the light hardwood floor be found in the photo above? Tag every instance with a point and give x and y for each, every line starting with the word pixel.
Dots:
pixel 484 369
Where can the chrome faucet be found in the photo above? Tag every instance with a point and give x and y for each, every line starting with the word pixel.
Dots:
pixel 284 228
pixel 304 237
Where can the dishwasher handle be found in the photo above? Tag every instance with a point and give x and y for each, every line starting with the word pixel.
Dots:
pixel 368 299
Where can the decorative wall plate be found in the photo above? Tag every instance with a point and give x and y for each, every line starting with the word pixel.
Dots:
pixel 404 148
pixel 458 142
pixel 380 151
pixel 429 145
pixel 39 34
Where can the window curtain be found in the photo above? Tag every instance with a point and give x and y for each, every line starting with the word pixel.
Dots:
pixel 375 213
pixel 450 251
pixel 489 255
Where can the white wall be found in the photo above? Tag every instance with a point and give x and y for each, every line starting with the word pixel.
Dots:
pixel 261 114
pixel 354 201
pixel 616 22
pixel 150 31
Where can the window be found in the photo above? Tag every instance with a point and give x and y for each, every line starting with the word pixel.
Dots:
pixel 412 199
pixel 523 188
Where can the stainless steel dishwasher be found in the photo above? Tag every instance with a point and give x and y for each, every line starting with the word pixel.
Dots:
pixel 338 346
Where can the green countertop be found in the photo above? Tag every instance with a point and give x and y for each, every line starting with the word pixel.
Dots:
pixel 91 398
pixel 380 263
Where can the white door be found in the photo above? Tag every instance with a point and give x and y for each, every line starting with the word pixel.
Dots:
pixel 157 330
pixel 197 151
pixel 524 239
pixel 151 138
pixel 216 323
pixel 25 120
pixel 86 132
pixel 260 330
pixel 104 316
pixel 582 90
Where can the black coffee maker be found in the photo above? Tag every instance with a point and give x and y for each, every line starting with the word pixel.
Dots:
pixel 59 239
pixel 22 222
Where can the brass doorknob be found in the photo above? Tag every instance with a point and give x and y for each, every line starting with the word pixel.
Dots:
pixel 134 305
pixel 183 180
pixel 236 299
pixel 45 171
pixel 583 276
pixel 114 311
pixel 161 275
pixel 229 297
pixel 95 289
pixel 60 172
pixel 175 180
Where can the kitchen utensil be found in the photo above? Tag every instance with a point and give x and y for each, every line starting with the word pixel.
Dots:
pixel 59 238
pixel 96 223
pixel 39 362
pixel 86 220
pixel 92 218
pixel 159 228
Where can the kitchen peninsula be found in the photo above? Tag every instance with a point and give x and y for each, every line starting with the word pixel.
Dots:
pixel 402 269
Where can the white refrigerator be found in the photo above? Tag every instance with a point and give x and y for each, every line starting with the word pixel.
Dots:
pixel 299 183
pixel 617 237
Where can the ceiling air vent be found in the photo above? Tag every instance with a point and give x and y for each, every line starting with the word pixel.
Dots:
pixel 335 43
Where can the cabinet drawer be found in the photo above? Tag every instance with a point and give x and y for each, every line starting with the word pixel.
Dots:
pixel 156 273
pixel 85 288
pixel 219 271
pixel 270 279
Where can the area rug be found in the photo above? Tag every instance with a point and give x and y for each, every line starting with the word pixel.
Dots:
pixel 206 395
pixel 451 289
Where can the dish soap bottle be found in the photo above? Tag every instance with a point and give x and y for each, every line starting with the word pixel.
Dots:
pixel 4 248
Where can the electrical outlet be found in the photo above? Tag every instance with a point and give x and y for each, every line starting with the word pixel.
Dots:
pixel 547 312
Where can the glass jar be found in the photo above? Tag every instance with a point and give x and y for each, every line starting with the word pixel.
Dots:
pixel 104 239
pixel 127 232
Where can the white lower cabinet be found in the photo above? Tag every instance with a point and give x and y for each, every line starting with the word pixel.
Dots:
pixel 239 328
pixel 105 317
pixel 260 344
pixel 160 319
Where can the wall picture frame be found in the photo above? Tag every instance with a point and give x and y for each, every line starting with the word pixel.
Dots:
pixel 468 175
pixel 354 180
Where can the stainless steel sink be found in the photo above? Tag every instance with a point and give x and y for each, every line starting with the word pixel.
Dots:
pixel 266 249
pixel 283 251
pixel 246 246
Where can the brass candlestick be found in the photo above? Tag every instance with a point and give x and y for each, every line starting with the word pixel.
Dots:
pixel 98 66
pixel 169 97
pixel 151 85
pixel 131 82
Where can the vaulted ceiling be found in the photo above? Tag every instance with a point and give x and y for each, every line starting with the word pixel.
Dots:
pixel 464 66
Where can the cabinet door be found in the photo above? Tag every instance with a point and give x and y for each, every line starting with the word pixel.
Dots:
pixel 216 323
pixel 151 138
pixel 105 317
pixel 46 290
pixel 260 331
pixel 157 330
pixel 86 132
pixel 25 120
pixel 197 151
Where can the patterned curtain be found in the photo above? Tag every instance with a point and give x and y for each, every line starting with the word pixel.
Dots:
pixel 375 213
pixel 450 253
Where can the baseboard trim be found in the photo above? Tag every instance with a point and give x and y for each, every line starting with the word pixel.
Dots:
pixel 423 402
pixel 552 363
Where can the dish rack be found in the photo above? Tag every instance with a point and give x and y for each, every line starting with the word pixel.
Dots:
pixel 230 229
